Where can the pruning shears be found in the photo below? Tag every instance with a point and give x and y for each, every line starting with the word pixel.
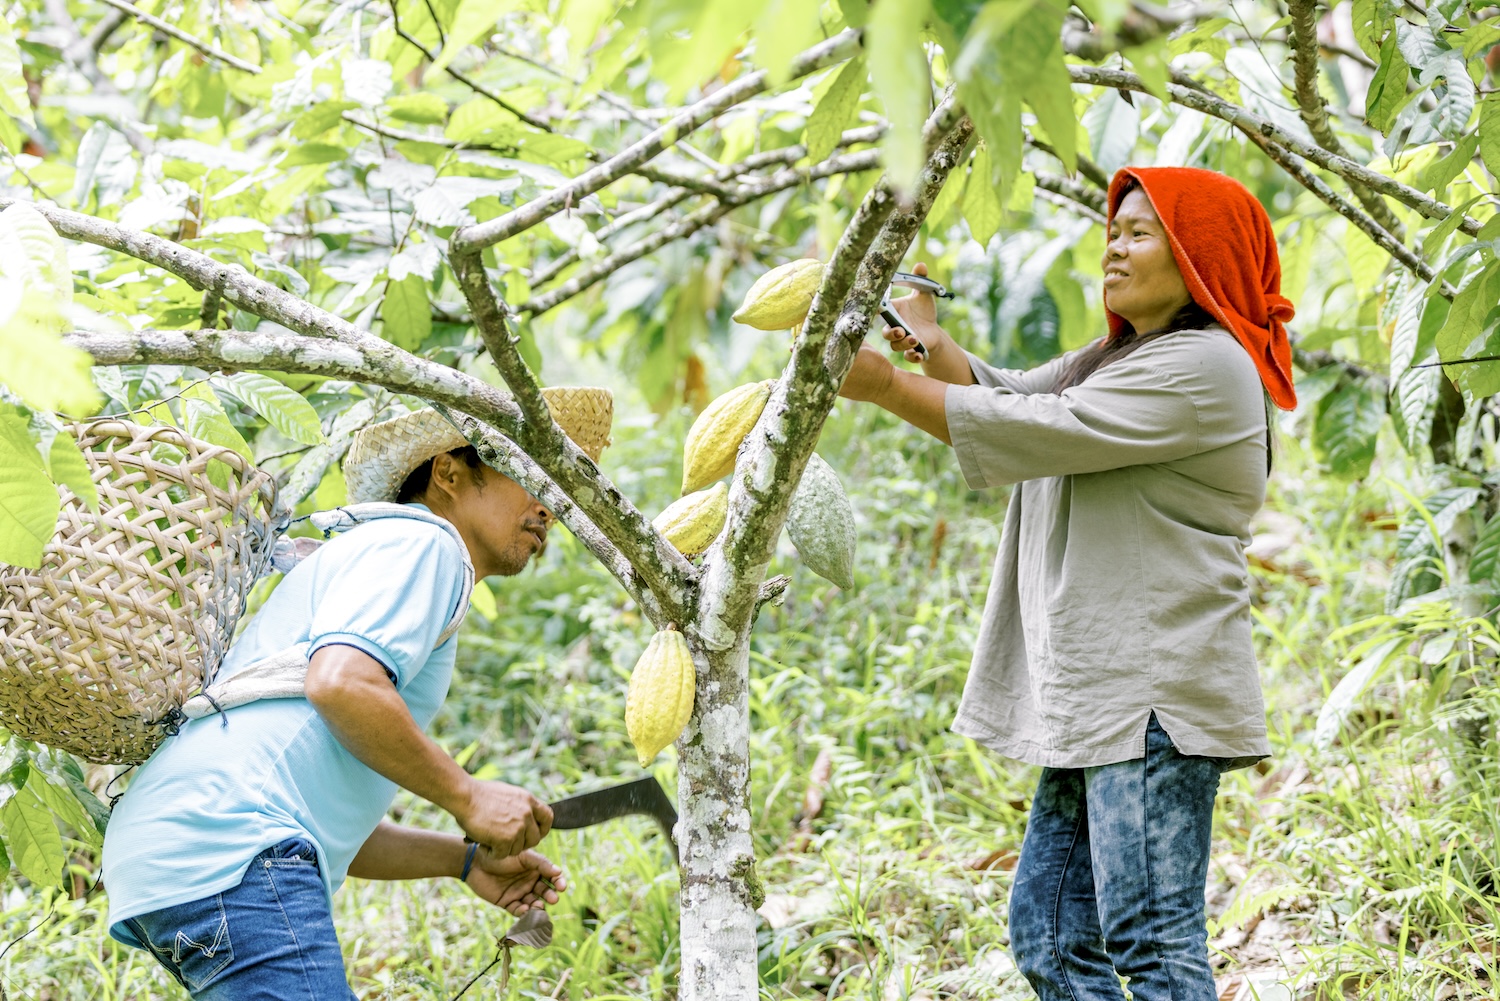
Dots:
pixel 893 318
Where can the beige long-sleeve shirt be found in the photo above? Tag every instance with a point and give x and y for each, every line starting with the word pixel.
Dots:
pixel 1121 586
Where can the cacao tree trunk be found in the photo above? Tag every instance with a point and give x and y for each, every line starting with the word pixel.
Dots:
pixel 720 890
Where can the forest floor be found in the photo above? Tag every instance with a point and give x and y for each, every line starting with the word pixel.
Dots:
pixel 1363 868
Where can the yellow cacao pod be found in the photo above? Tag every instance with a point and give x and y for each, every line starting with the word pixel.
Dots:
pixel 781 297
pixel 715 437
pixel 692 523
pixel 660 698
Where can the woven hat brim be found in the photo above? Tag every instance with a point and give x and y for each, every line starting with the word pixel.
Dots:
pixel 383 455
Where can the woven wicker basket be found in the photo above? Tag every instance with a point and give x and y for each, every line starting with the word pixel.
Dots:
pixel 133 606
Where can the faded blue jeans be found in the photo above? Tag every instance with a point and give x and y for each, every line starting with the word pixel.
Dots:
pixel 269 939
pixel 1111 879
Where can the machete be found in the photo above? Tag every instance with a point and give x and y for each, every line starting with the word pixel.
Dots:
pixel 643 796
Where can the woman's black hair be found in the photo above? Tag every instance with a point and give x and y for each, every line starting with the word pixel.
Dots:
pixel 420 478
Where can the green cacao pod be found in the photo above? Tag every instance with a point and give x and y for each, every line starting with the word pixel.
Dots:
pixel 781 297
pixel 715 437
pixel 660 698
pixel 692 523
pixel 821 523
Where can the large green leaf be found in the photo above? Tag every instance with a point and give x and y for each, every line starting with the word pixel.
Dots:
pixel 1484 558
pixel 281 406
pixel 1345 427
pixel 1489 132
pixel 1439 174
pixel 1113 126
pixel 68 467
pixel 783 29
pixel 29 503
pixel 835 110
pixel 895 45
pixel 35 845
pixel 58 798
pixel 991 91
pixel 474 21
pixel 1046 84
pixel 1387 90
pixel 13 97
pixel 1467 314
pixel 206 420
pixel 406 312
pixel 981 206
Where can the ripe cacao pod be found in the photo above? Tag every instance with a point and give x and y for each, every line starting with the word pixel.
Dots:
pixel 692 523
pixel 781 297
pixel 660 698
pixel 821 523
pixel 715 437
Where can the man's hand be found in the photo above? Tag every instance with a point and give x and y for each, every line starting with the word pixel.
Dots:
pixel 504 818
pixel 518 883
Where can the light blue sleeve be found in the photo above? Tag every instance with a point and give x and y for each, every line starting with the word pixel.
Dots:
pixel 388 589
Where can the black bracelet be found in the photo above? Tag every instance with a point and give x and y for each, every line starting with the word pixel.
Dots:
pixel 468 861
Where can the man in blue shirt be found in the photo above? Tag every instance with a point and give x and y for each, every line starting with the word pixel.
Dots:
pixel 223 855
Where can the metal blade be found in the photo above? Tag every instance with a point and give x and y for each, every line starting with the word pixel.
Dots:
pixel 643 796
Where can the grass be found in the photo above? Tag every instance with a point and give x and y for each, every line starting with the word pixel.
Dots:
pixel 1364 869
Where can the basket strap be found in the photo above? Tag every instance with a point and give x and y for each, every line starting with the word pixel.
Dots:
pixel 283 675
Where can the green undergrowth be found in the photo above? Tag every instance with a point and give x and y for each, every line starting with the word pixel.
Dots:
pixel 1366 868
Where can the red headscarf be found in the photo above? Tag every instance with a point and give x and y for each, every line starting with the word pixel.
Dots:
pixel 1226 251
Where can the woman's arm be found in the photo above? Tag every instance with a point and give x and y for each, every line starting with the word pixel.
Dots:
pixel 916 399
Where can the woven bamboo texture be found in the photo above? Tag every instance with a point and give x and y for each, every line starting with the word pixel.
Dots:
pixel 134 606
pixel 383 455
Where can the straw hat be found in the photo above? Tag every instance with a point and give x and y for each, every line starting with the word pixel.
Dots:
pixel 383 455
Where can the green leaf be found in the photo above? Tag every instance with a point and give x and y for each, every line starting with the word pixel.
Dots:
pixel 949 196
pixel 62 769
pixel 1372 19
pixel 281 406
pixel 894 37
pixel 1484 558
pixel 29 503
pixel 320 118
pixel 1455 102
pixel 1470 306
pixel 783 29
pixel 1150 61
pixel 1415 394
pixel 990 89
pixel 1387 91
pixel 1489 132
pixel 58 798
pixel 1113 126
pixel 981 209
pixel 406 312
pixel 35 845
pixel 474 21
pixel 1366 260
pixel 206 421
pixel 1433 241
pixel 13 97
pixel 836 111
pixel 69 468
pixel 483 600
pixel 1345 427
pixel 481 118
pixel 1047 87
pixel 423 108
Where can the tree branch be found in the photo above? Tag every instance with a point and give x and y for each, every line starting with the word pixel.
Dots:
pixel 502 454
pixel 1245 121
pixel 477 88
pixel 231 282
pixel 694 221
pixel 377 363
pixel 776 450
pixel 1091 201
pixel 1088 168
pixel 649 211
pixel 173 31
pixel 1303 41
pixel 661 566
pixel 486 234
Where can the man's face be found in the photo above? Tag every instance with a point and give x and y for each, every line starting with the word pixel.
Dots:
pixel 503 525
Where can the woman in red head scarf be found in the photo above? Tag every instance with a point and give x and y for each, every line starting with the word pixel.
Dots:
pixel 1115 647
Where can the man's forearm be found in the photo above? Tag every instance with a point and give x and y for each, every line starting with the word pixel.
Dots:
pixel 396 852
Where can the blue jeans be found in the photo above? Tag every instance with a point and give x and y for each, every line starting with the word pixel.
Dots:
pixel 269 939
pixel 1111 879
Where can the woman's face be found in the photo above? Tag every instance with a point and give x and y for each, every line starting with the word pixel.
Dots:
pixel 1141 280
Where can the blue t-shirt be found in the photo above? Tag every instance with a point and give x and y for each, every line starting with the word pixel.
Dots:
pixel 231 785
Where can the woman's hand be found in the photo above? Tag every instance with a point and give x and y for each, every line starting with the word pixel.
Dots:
pixel 870 377
pixel 517 883
pixel 919 310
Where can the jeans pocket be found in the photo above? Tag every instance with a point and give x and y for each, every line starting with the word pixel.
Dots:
pixel 291 854
pixel 201 948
